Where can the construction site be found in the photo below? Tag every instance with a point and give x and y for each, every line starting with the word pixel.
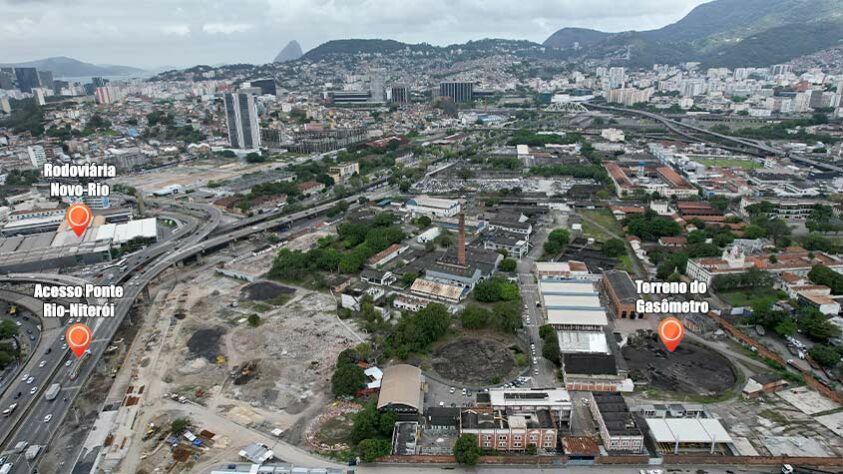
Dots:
pixel 242 361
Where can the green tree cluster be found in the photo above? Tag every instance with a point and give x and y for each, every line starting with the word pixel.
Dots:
pixel 550 344
pixel 358 240
pixel 556 242
pixel 614 248
pixel 466 450
pixel 651 226
pixel 822 275
pixel 496 289
pixel 372 432
pixel 348 377
pixel 417 331
pixel 504 317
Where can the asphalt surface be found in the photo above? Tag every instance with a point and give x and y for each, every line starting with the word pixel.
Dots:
pixel 546 376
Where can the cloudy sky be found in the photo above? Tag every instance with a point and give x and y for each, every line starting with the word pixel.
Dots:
pixel 156 33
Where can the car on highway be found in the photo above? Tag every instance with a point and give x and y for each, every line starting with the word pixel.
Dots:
pixel 25 376
pixel 33 390
pixel 30 380
pixel 68 363
pixel 48 418
pixel 42 363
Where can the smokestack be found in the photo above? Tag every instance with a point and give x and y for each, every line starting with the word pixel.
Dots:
pixel 461 244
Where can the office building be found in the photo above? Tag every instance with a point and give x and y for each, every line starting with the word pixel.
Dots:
pixel 99 81
pixel 27 78
pixel 241 115
pixel 40 95
pixel 37 156
pixel 458 91
pixel 617 77
pixel 348 97
pixel 399 94
pixel 376 85
pixel 266 86
pixel 7 78
pixel 46 79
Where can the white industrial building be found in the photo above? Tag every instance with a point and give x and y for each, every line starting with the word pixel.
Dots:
pixel 688 434
pixel 433 207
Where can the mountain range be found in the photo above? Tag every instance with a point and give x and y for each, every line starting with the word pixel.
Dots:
pixel 68 67
pixel 726 33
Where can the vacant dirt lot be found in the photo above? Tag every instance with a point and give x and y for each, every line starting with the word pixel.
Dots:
pixel 473 360
pixel 692 369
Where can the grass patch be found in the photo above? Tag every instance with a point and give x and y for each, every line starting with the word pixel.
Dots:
pixel 625 264
pixel 604 218
pixel 279 300
pixel 258 306
pixel 729 163
pixel 738 298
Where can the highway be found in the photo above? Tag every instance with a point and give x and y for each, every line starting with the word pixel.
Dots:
pixel 676 127
pixel 34 429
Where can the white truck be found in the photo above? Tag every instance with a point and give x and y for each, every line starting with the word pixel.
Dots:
pixel 52 392
pixel 6 468
pixel 32 452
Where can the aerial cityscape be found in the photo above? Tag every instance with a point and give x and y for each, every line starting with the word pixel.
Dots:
pixel 309 237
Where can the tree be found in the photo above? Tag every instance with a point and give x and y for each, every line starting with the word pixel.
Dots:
pixel 507 316
pixel 550 350
pixel 475 317
pixel 373 448
pixel 508 265
pixel 423 222
pixel 409 277
pixel 786 327
pixel 347 380
pixel 557 241
pixel 496 289
pixel 466 450
pixel 255 158
pixel 254 320
pixel 824 355
pixel 387 423
pixel 697 237
pixel 8 329
pixel 179 426
pixel 754 232
pixel 814 324
pixel 366 423
pixel 614 248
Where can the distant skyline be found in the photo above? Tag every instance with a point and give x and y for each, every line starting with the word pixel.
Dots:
pixel 181 33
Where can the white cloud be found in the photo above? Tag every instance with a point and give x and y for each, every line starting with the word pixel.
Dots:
pixel 226 28
pixel 141 33
pixel 176 30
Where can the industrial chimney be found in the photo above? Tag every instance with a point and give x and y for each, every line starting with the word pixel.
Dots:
pixel 461 244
